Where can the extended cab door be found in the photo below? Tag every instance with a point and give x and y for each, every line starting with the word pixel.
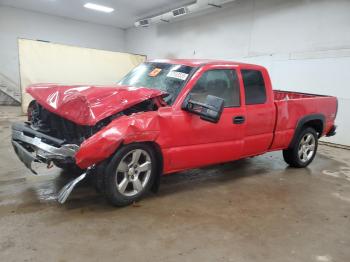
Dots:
pixel 260 111
pixel 197 142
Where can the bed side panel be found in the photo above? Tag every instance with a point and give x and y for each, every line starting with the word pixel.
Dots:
pixel 290 112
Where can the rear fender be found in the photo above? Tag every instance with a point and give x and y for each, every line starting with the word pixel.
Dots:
pixel 303 121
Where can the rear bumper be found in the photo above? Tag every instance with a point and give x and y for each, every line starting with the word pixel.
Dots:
pixel 332 131
pixel 33 146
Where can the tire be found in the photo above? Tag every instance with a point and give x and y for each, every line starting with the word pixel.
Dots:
pixel 130 174
pixel 303 151
pixel 69 169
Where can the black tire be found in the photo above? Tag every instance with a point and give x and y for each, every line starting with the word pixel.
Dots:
pixel 292 154
pixel 69 169
pixel 113 193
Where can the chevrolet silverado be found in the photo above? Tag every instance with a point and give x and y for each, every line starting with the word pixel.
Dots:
pixel 167 116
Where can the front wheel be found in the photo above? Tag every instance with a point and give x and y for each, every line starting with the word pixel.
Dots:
pixel 130 174
pixel 304 149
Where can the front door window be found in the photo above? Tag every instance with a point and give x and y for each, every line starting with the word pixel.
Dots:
pixel 221 83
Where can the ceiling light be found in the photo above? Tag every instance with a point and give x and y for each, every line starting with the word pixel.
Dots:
pixel 100 8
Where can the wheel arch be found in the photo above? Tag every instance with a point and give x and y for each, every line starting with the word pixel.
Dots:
pixel 316 121
pixel 159 155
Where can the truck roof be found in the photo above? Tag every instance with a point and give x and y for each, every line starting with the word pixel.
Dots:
pixel 201 62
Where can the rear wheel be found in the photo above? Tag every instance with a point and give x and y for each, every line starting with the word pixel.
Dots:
pixel 130 174
pixel 304 149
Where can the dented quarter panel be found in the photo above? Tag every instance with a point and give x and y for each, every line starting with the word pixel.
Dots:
pixel 291 110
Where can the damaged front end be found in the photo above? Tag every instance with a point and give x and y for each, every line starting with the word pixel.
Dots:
pixel 34 147
pixel 48 137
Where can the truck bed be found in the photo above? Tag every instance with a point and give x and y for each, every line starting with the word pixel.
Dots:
pixel 291 107
pixel 287 95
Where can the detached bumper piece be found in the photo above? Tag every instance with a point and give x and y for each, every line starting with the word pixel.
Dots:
pixel 32 146
pixel 68 188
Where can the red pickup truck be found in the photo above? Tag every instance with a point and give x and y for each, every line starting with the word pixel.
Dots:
pixel 167 116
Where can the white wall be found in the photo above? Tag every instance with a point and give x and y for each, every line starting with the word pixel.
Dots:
pixel 304 43
pixel 17 23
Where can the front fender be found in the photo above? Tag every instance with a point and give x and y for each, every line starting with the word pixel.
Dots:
pixel 127 129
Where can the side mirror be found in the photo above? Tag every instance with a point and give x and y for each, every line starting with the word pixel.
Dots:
pixel 210 111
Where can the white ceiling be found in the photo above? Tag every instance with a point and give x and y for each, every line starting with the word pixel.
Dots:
pixel 125 14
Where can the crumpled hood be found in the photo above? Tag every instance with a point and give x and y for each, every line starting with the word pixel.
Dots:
pixel 86 105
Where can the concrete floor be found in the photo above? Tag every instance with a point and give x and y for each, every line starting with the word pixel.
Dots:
pixel 251 210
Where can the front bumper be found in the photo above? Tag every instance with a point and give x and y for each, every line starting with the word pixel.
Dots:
pixel 32 146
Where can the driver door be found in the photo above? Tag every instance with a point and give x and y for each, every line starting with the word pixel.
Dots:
pixel 196 142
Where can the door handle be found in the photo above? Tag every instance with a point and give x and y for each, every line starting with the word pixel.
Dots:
pixel 238 120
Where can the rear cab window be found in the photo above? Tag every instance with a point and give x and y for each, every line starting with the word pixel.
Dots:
pixel 254 87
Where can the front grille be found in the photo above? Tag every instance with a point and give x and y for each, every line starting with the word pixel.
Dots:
pixel 54 125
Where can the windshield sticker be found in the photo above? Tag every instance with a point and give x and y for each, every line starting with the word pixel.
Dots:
pixel 178 75
pixel 155 72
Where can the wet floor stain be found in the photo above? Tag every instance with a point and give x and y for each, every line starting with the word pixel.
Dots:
pixel 342 196
pixel 324 258
pixel 341 172
pixel 256 209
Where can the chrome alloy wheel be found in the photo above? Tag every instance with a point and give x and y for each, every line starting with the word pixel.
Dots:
pixel 306 148
pixel 133 172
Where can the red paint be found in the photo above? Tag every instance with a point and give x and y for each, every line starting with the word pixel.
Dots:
pixel 185 140
pixel 86 105
pixel 139 127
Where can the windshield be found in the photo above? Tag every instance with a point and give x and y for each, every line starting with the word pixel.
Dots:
pixel 169 78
